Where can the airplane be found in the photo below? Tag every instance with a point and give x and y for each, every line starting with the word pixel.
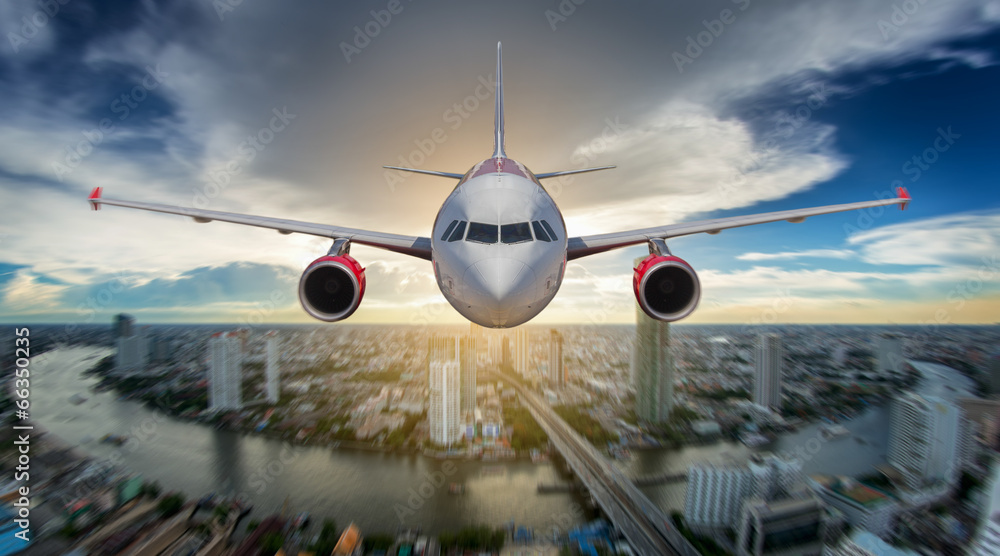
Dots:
pixel 499 245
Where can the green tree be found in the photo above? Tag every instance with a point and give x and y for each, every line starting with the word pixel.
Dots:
pixel 327 539
pixel 171 504
pixel 272 542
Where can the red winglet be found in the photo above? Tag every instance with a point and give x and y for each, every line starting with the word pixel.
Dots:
pixel 902 193
pixel 95 198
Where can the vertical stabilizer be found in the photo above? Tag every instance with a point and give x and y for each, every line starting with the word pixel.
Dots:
pixel 498 151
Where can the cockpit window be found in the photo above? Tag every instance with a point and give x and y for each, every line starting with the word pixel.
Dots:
pixel 548 229
pixel 482 233
pixel 448 231
pixel 458 233
pixel 540 234
pixel 515 233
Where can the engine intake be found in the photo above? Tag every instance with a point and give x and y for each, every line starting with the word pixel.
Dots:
pixel 331 288
pixel 666 287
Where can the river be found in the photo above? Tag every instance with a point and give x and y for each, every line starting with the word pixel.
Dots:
pixel 382 492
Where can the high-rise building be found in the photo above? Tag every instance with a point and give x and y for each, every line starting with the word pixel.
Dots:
pixel 862 506
pixel 132 347
pixel 993 381
pixel 444 408
pixel 467 363
pixel 775 477
pixel 862 542
pixel 926 440
pixel 505 351
pixel 890 354
pixel 987 541
pixel 522 350
pixel 652 368
pixel 556 374
pixel 767 372
pixel 272 373
pixel 225 381
pixel 124 326
pixel 786 527
pixel 716 492
pixel 132 354
pixel 440 347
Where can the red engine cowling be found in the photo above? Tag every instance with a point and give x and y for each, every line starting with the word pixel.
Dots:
pixel 666 287
pixel 331 288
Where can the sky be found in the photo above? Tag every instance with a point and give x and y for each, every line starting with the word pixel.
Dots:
pixel 708 108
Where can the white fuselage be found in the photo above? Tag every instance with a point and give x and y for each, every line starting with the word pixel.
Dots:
pixel 493 251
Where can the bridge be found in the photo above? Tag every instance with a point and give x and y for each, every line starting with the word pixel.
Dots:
pixel 646 527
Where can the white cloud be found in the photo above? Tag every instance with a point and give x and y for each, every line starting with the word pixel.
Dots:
pixel 792 255
pixel 968 239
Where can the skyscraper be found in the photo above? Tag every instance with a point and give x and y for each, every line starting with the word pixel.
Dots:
pixel 767 372
pixel 987 541
pixel 132 348
pixel 444 409
pixel 440 347
pixel 225 383
pixel 132 354
pixel 556 376
pixel 716 492
pixel 522 350
pixel 652 368
pixel 926 440
pixel 993 381
pixel 271 371
pixel 890 354
pixel 467 363
pixel 124 326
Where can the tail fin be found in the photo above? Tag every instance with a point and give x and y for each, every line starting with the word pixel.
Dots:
pixel 498 151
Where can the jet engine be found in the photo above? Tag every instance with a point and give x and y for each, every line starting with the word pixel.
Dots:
pixel 666 287
pixel 331 287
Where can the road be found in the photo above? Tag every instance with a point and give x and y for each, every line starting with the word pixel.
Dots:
pixel 646 527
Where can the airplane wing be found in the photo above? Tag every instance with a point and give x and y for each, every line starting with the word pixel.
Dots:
pixel 409 245
pixel 589 245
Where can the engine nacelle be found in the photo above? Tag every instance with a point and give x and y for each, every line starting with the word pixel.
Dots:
pixel 331 288
pixel 666 287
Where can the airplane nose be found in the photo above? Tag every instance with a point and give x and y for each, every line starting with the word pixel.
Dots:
pixel 499 279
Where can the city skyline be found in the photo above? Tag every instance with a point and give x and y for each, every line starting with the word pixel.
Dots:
pixel 816 114
pixel 360 390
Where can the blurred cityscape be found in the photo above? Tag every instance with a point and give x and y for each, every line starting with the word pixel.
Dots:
pixel 845 440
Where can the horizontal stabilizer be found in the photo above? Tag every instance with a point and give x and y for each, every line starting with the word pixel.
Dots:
pixel 428 172
pixel 568 172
